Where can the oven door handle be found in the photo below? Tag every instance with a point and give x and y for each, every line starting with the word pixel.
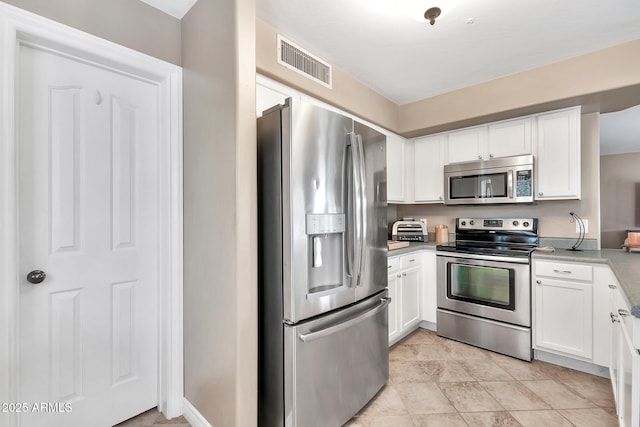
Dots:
pixel 463 256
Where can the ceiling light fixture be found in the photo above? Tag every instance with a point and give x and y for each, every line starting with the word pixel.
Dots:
pixel 431 14
pixel 419 10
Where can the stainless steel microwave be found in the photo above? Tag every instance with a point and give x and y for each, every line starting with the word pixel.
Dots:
pixel 493 181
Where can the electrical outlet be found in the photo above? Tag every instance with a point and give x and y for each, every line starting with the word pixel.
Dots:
pixel 586 226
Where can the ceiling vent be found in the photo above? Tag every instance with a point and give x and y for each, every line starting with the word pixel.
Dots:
pixel 297 59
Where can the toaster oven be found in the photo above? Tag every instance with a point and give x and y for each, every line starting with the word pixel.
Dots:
pixel 409 229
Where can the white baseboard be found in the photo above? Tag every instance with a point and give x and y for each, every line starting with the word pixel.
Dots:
pixel 192 415
pixel 570 363
pixel 428 325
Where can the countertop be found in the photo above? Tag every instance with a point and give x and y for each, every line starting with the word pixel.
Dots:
pixel 413 246
pixel 625 266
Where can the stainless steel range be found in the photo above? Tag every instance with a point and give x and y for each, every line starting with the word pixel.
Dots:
pixel 484 289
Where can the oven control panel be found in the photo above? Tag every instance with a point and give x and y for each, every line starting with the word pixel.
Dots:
pixel 502 224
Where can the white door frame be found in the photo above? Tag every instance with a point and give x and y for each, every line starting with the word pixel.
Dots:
pixel 20 27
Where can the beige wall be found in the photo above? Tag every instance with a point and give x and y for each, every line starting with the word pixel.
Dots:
pixel 606 80
pixel 220 252
pixel 129 23
pixel 620 193
pixel 347 93
pixel 554 215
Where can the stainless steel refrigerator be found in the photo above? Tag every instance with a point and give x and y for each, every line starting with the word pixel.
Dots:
pixel 323 322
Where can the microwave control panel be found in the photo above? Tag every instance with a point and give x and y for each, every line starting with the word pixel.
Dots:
pixel 524 184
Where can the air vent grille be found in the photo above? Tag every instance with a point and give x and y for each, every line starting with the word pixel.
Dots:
pixel 294 57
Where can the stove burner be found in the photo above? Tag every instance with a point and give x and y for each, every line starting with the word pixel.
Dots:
pixel 500 237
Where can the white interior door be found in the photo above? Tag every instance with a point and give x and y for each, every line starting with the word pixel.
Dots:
pixel 88 217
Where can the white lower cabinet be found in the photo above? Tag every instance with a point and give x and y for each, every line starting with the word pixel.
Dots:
pixel 429 290
pixel 393 279
pixel 563 314
pixel 624 368
pixel 404 283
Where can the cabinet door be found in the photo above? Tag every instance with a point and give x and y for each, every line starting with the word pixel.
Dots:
pixel 429 168
pixel 510 138
pixel 467 144
pixel 564 317
pixel 429 287
pixel 410 284
pixel 395 168
pixel 614 355
pixel 604 282
pixel 267 97
pixel 558 155
pixel 628 384
pixel 394 306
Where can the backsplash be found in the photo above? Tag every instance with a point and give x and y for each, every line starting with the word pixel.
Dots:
pixel 554 220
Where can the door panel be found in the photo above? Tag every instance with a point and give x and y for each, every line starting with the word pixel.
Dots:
pixel 374 262
pixel 88 200
pixel 315 226
pixel 334 365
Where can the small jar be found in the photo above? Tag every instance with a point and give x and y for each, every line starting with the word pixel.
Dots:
pixel 442 233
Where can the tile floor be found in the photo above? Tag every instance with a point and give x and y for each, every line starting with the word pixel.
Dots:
pixel 153 418
pixel 438 382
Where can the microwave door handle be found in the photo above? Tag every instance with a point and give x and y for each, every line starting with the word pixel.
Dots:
pixel 510 184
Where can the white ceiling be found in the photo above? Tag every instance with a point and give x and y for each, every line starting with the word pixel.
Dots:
pixel 405 60
pixel 175 8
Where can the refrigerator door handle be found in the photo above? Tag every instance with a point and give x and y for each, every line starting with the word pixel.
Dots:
pixel 350 230
pixel 346 324
pixel 363 203
pixel 357 209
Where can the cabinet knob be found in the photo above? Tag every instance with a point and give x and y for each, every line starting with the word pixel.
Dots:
pixel 404 274
pixel 440 197
pixel 613 287
pixel 479 157
pixel 623 312
pixel 540 193
pixel 539 282
pixel 614 318
pixel 491 156
pixel 399 276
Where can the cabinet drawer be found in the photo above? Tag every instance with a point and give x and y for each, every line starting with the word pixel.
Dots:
pixel 410 261
pixel 565 271
pixel 393 264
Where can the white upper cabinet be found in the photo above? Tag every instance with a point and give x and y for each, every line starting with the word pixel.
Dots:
pixel 267 97
pixel 396 191
pixel 510 138
pixel 558 155
pixel 467 144
pixel 428 166
pixel 499 139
